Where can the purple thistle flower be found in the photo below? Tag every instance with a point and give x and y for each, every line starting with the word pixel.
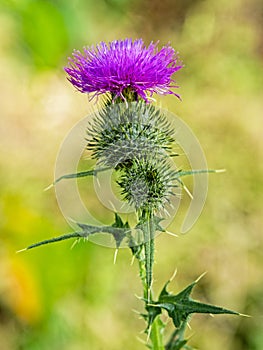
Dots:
pixel 124 66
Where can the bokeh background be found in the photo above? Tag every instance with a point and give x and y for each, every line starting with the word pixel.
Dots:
pixel 55 297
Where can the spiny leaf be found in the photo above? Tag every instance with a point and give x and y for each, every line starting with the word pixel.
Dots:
pixel 181 305
pixel 181 173
pixel 123 232
pixel 119 223
pixel 53 240
pixel 178 344
pixel 152 313
pixel 119 230
pixel 177 340
pixel 77 175
pixel 136 248
pixel 156 222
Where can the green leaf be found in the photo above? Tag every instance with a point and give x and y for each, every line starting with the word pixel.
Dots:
pixel 181 173
pixel 152 313
pixel 123 232
pixel 178 344
pixel 181 305
pixel 119 223
pixel 156 222
pixel 118 229
pixel 177 340
pixel 53 240
pixel 77 175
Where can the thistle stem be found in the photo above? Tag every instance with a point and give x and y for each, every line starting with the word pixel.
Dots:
pixel 156 335
pixel 146 275
pixel 149 255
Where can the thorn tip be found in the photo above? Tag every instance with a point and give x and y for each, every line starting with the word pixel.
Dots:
pixel 115 256
pixel 49 187
pixel 21 250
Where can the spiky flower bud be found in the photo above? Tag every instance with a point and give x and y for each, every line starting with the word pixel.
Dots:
pixel 121 133
pixel 148 184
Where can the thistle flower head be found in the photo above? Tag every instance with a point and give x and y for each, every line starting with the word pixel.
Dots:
pixel 124 68
pixel 121 133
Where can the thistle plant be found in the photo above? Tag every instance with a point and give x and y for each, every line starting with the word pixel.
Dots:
pixel 133 137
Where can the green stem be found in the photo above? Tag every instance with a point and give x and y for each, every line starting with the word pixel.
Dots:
pixel 142 273
pixel 156 335
pixel 157 326
pixel 149 256
pixel 146 275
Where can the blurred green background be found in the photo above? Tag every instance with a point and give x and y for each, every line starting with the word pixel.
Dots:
pixel 57 298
